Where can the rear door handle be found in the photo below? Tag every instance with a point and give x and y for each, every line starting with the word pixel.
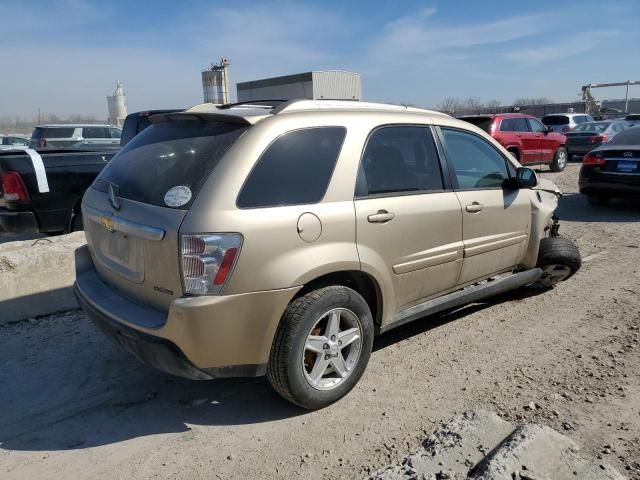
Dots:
pixel 475 207
pixel 382 216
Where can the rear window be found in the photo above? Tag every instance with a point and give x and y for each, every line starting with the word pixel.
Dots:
pixel 596 127
pixel 555 120
pixel 52 132
pixel 633 117
pixel 630 136
pixel 483 123
pixel 294 170
pixel 167 155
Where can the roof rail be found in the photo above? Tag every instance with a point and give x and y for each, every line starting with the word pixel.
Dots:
pixel 304 104
pixel 268 103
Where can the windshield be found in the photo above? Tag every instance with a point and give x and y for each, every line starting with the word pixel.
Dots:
pixel 555 120
pixel 481 122
pixel 168 155
pixel 595 127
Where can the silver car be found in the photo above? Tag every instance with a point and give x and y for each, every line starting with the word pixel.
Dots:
pixel 565 122
pixel 75 136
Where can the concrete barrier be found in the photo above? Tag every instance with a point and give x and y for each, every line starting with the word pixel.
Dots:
pixel 36 276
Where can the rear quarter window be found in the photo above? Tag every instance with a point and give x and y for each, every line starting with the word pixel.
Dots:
pixel 294 170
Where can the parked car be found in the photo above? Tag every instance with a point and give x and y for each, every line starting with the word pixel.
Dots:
pixel 234 245
pixel 528 140
pixel 137 122
pixel 9 142
pixel 25 209
pixel 565 122
pixel 587 136
pixel 75 136
pixel 633 119
pixel 613 169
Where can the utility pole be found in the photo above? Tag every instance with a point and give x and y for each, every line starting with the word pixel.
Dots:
pixel 39 120
pixel 626 99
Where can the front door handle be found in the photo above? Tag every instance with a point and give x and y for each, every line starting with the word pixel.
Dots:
pixel 382 216
pixel 475 207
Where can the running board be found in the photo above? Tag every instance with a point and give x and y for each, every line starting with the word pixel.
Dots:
pixel 462 297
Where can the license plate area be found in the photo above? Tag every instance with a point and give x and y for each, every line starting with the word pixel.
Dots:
pixel 121 253
pixel 627 167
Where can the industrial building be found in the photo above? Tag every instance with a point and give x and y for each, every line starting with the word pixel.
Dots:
pixel 324 84
pixel 215 82
pixel 117 104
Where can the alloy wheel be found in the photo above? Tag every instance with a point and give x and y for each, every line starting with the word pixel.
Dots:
pixel 332 349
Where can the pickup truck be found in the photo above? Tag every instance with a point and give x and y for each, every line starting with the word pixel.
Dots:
pixel 25 209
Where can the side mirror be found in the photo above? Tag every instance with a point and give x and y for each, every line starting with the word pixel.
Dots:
pixel 526 178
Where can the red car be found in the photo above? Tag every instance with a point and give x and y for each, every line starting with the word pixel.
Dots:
pixel 525 137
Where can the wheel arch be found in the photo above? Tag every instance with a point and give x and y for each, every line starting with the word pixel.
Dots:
pixel 361 282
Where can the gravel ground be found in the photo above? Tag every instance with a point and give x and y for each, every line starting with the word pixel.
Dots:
pixel 73 406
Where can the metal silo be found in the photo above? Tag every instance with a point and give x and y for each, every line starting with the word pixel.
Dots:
pixel 117 104
pixel 215 82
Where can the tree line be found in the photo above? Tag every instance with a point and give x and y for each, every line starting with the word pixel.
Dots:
pixel 17 124
pixel 475 104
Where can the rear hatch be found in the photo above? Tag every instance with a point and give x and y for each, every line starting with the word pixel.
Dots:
pixel 134 209
pixel 621 161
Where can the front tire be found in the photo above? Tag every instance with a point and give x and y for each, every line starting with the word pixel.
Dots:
pixel 559 160
pixel 322 347
pixel 559 260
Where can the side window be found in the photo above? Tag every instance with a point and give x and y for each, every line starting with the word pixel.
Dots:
pixel 294 170
pixel 94 132
pixel 535 125
pixel 514 125
pixel 400 159
pixel 115 132
pixel 476 163
pixel 507 125
pixel 520 125
pixel 617 127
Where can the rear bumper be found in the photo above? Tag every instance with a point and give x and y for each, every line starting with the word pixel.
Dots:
pixel 18 222
pixel 581 149
pixel 612 185
pixel 198 338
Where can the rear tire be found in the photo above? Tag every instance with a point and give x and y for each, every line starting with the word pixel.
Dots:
pixel 306 365
pixel 597 200
pixel 559 258
pixel 559 160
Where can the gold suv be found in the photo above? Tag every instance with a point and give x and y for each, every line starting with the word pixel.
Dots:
pixel 281 237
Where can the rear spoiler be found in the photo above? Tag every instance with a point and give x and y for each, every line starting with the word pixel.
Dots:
pixel 200 117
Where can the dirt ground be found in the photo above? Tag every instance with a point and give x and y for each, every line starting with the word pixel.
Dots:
pixel 73 406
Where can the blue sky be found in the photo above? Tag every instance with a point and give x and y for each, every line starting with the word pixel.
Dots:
pixel 64 56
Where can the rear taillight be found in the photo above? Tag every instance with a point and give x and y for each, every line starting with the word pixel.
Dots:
pixel 593 159
pixel 207 261
pixel 599 138
pixel 13 188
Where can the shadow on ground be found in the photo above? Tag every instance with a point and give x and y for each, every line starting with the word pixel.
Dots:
pixel 574 207
pixel 64 387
